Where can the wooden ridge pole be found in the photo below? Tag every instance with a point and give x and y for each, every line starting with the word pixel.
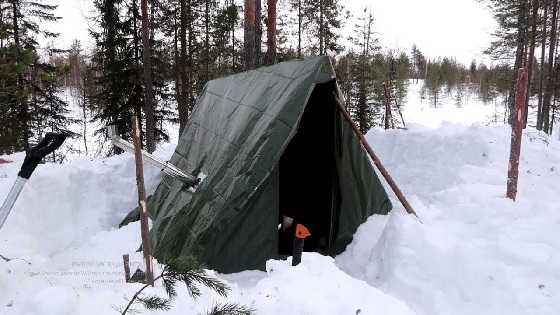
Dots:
pixel 142 203
pixel 376 160
pixel 516 133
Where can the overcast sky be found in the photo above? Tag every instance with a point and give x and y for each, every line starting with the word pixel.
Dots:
pixel 459 28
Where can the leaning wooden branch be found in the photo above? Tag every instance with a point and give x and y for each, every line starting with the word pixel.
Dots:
pixel 142 202
pixel 375 159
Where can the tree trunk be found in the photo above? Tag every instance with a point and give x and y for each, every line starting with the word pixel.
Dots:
pixel 516 135
pixel 299 30
pixel 189 69
pixel 553 118
pixel 148 89
pixel 518 57
pixel 249 34
pixel 176 58
pixel 23 110
pixel 206 40
pixel 271 32
pixel 232 40
pixel 388 115
pixel 142 204
pixel 531 57
pixel 550 74
pixel 321 39
pixel 84 113
pixel 183 104
pixel 258 33
pixel 541 78
pixel 1 23
pixel 137 88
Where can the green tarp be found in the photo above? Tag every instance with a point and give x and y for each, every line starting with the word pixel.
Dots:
pixel 235 137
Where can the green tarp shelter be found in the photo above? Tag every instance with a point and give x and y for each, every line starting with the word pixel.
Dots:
pixel 269 143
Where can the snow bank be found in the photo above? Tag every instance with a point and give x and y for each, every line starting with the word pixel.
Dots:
pixel 63 205
pixel 317 286
pixel 64 227
pixel 476 251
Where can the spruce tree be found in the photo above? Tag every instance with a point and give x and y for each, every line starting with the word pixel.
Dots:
pixel 418 63
pixel 29 86
pixel 116 62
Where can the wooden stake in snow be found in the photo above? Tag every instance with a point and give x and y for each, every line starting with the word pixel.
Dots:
pixel 142 203
pixel 516 133
pixel 375 159
pixel 126 264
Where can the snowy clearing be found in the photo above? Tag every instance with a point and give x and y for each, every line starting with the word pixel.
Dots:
pixel 475 252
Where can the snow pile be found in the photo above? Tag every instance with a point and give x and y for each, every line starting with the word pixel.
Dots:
pixel 476 251
pixel 64 228
pixel 316 286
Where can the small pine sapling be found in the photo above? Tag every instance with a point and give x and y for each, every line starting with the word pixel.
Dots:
pixel 187 270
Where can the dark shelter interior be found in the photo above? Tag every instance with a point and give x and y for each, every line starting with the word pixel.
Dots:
pixel 309 189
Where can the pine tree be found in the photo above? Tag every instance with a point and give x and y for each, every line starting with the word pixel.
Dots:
pixel 510 36
pixel 359 66
pixel 29 86
pixel 418 63
pixel 323 19
pixel 434 81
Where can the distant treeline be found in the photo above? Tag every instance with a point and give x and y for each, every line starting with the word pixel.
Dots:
pixel 190 43
pixel 527 37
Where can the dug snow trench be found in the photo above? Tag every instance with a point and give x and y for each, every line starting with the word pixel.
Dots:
pixel 475 252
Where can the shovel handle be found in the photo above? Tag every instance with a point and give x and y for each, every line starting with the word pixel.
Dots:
pixel 49 144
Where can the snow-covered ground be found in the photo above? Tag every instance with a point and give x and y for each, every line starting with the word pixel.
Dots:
pixel 466 110
pixel 474 251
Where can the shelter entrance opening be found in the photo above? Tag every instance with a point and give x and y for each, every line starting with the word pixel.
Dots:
pixel 308 183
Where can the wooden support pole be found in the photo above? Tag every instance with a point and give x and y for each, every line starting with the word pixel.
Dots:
pixel 142 203
pixel 376 160
pixel 516 133
pixel 126 264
